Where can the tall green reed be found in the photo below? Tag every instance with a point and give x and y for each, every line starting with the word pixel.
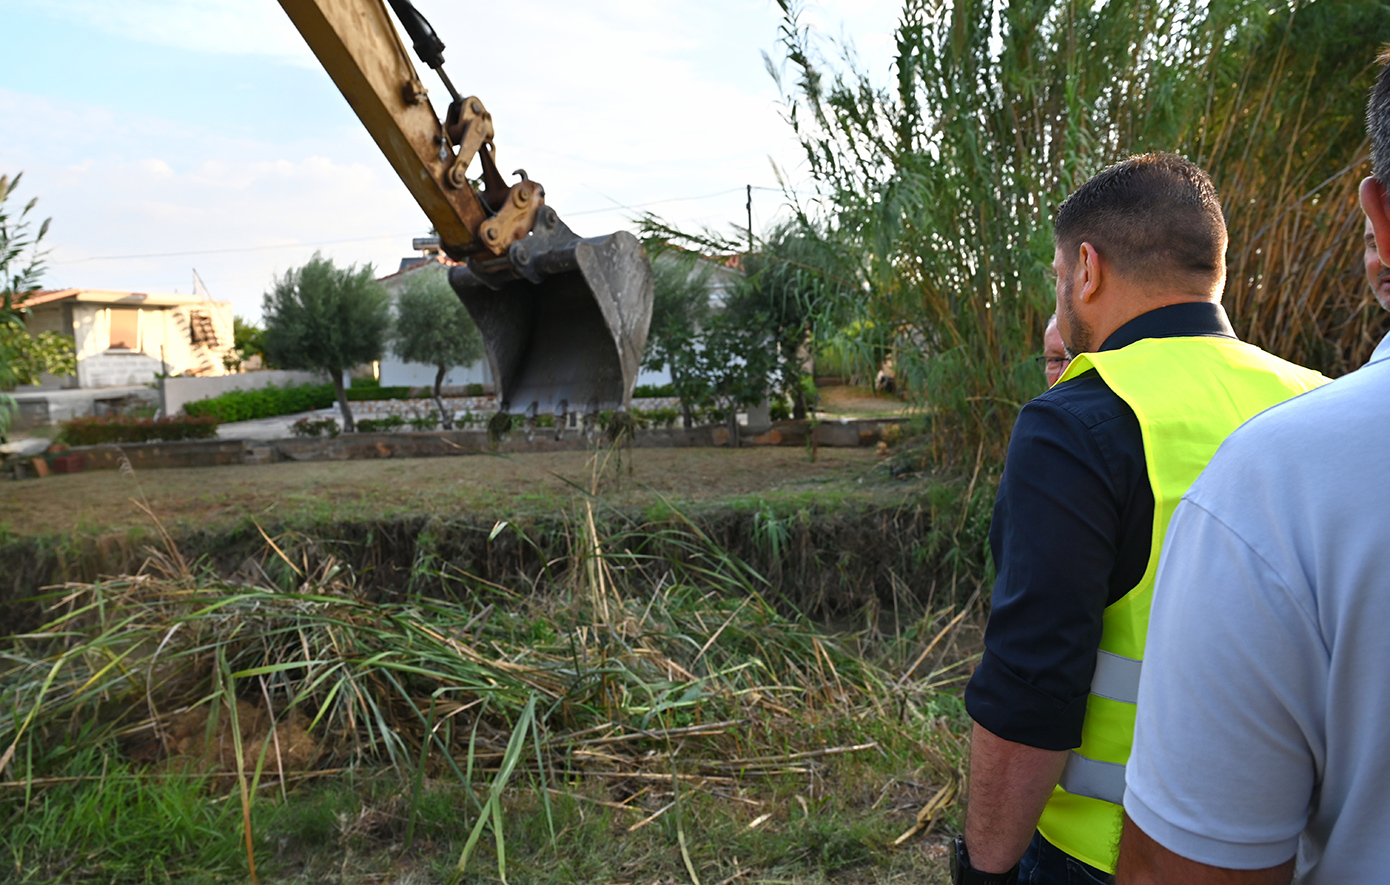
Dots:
pixel 939 186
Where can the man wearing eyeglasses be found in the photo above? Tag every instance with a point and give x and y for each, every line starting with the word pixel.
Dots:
pixel 1054 360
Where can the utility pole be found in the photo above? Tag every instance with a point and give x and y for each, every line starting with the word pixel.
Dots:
pixel 749 207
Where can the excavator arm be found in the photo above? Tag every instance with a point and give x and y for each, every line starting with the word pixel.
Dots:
pixel 564 318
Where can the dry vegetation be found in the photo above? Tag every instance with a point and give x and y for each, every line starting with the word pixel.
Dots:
pixel 629 718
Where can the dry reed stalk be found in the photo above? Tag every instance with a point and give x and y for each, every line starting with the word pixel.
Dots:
pixel 793 757
pixel 932 645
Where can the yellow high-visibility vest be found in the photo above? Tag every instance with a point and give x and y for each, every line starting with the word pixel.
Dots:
pixel 1188 394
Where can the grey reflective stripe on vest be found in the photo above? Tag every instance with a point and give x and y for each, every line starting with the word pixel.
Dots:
pixel 1093 778
pixel 1117 678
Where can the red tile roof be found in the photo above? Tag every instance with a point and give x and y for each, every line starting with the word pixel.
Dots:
pixel 43 296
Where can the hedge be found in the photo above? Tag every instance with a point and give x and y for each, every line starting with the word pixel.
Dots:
pixel 265 402
pixel 126 429
pixel 269 401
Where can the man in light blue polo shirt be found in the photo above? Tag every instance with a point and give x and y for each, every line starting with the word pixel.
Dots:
pixel 1259 753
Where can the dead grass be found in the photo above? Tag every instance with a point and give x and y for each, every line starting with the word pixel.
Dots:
pixel 309 493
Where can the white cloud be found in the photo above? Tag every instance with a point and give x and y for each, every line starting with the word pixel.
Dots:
pixel 611 100
pixel 242 27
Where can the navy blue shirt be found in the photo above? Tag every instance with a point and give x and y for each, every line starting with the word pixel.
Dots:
pixel 1073 525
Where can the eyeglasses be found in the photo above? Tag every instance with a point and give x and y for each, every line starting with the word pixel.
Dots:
pixel 1050 361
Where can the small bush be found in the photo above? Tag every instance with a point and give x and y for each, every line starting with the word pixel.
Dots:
pixel 315 427
pixel 650 391
pixel 127 429
pixel 656 417
pixel 424 422
pixel 473 390
pixel 380 425
pixel 779 410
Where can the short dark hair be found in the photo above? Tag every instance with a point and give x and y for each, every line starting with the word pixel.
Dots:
pixel 1152 216
pixel 1378 121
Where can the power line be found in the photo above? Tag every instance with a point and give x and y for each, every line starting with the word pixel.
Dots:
pixel 617 207
pixel 233 249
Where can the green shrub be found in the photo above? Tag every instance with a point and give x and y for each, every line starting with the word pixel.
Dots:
pixel 424 422
pixel 269 401
pixel 129 429
pixel 380 425
pixel 361 394
pixel 473 390
pixel 315 427
pixel 649 391
pixel 265 402
pixel 656 417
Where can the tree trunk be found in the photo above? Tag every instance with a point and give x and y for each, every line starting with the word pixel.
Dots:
pixel 446 417
pixel 348 425
pixel 799 403
pixel 687 414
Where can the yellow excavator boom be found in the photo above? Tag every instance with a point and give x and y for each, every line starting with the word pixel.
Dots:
pixel 564 318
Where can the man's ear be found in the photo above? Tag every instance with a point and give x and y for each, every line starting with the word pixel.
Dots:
pixel 1375 202
pixel 1093 272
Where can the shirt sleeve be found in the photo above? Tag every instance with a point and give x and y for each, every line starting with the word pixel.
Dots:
pixel 1056 521
pixel 1224 763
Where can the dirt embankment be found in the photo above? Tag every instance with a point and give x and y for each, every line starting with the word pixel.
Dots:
pixel 824 562
pixel 825 537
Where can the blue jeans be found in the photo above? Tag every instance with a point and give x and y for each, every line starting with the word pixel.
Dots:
pixel 1046 864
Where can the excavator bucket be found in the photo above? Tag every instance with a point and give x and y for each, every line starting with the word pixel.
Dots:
pixel 564 318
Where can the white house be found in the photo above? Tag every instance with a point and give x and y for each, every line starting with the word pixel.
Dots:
pixel 123 340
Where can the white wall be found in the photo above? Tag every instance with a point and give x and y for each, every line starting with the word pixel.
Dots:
pixel 396 373
pixel 164 344
pixel 115 369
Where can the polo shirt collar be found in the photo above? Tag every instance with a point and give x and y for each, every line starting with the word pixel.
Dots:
pixel 1187 319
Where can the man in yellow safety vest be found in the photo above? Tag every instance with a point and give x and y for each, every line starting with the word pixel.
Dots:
pixel 1095 468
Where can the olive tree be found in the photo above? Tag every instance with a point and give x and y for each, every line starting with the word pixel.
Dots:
pixel 434 328
pixel 328 318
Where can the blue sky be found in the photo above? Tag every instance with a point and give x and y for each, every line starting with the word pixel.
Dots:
pixel 168 135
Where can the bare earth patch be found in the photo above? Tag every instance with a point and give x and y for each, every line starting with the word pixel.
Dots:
pixel 487 485
pixel 844 401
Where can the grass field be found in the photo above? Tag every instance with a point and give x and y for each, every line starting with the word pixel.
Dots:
pixel 489 485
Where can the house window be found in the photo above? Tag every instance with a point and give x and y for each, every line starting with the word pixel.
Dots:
pixel 125 329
